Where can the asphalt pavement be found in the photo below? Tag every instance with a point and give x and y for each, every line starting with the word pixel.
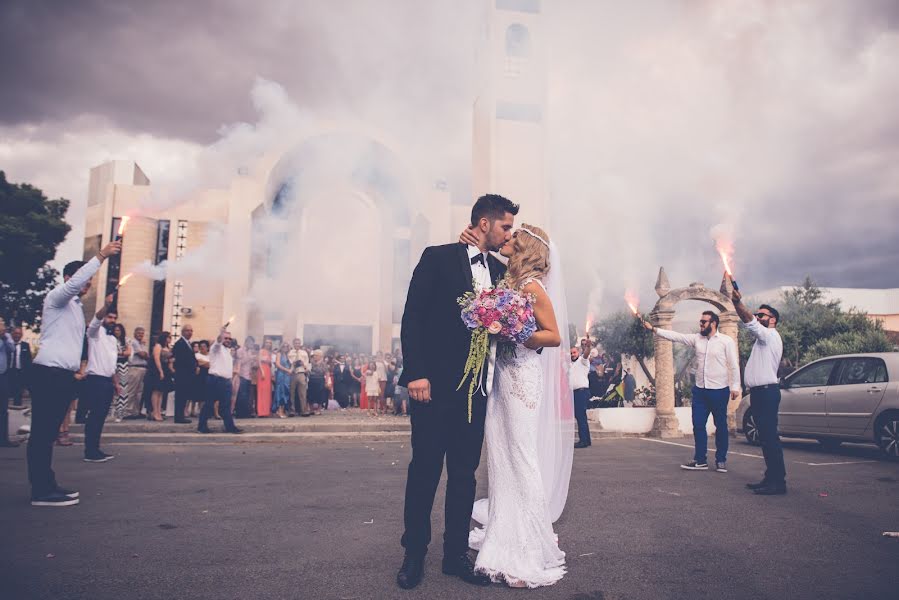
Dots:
pixel 262 520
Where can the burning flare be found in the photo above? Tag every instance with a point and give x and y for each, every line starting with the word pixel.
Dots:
pixel 632 302
pixel 231 318
pixel 122 226
pixel 124 280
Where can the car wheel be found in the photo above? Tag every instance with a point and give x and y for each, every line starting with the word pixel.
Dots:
pixel 750 430
pixel 888 435
pixel 829 443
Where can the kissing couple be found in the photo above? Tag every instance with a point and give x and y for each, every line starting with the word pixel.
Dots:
pixel 524 409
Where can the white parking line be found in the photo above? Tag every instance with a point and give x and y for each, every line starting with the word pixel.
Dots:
pixel 848 462
pixel 691 446
pixel 800 462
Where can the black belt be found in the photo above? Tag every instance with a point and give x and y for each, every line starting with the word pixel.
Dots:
pixel 764 387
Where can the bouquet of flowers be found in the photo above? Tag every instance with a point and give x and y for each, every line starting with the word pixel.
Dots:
pixel 500 312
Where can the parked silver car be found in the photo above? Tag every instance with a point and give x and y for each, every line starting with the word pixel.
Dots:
pixel 848 398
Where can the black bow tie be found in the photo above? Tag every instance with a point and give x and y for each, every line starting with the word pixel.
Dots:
pixel 478 258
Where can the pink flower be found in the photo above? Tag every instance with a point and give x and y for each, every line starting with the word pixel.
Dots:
pixel 518 327
pixel 488 303
pixel 494 328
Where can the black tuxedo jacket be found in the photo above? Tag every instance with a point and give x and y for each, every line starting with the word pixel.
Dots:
pixel 343 380
pixel 434 338
pixel 185 360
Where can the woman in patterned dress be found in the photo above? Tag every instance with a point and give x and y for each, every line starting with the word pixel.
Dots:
pixel 124 348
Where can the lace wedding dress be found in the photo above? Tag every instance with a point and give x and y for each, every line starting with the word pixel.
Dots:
pixel 517 544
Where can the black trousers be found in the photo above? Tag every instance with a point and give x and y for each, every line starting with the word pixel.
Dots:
pixel 765 402
pixel 4 405
pixel 184 389
pixel 581 398
pixel 440 428
pixel 218 389
pixel 98 394
pixel 17 385
pixel 52 390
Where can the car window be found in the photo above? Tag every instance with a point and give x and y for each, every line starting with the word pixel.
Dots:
pixel 862 370
pixel 814 375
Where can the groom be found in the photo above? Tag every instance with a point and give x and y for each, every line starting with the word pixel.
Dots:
pixel 435 349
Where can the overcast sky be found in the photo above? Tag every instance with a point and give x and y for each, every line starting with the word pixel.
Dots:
pixel 666 117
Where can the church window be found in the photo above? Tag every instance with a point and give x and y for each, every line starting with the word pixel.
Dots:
pixel 518 49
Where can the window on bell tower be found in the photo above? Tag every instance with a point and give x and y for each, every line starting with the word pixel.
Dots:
pixel 518 49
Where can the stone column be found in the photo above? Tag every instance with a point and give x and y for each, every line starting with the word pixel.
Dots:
pixel 729 327
pixel 666 424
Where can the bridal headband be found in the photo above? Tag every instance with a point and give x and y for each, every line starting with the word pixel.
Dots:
pixel 534 235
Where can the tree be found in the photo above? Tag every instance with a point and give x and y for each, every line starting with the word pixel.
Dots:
pixel 621 333
pixel 30 230
pixel 812 328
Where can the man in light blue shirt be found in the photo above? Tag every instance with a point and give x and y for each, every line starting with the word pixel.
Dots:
pixel 53 374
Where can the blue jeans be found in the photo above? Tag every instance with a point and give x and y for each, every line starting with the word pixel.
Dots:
pixel 714 402
pixel 581 398
pixel 764 403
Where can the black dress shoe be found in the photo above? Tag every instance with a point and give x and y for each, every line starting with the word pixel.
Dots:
pixel 772 490
pixel 235 430
pixel 462 567
pixel 183 420
pixel 410 574
pixel 757 486
pixel 581 445
pixel 203 430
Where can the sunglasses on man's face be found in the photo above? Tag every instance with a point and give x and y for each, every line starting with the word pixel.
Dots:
pixel 762 315
pixel 705 321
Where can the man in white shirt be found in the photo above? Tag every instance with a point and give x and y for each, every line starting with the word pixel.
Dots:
pixel 762 379
pixel 579 380
pixel 101 383
pixel 137 370
pixel 218 384
pixel 53 374
pixel 716 365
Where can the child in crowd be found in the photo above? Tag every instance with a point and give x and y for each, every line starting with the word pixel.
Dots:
pixel 373 389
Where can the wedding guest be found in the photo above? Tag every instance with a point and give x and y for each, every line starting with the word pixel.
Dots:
pixel 7 347
pixel 102 383
pixel 390 390
pixel 137 371
pixel 218 385
pixel 264 381
pixel 402 394
pixel 717 366
pixel 764 391
pixel 381 366
pixel 20 369
pixel 343 382
pixel 580 384
pixel 281 402
pixel 62 436
pixel 123 355
pixel 299 379
pixel 359 374
pixel 318 395
pixel 185 372
pixel 245 360
pixel 373 389
pixel 159 374
pixel 62 338
pixel 199 394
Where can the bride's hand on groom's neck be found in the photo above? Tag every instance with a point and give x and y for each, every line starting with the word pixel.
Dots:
pixel 470 236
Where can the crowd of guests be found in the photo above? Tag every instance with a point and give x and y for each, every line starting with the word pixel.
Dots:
pixel 278 380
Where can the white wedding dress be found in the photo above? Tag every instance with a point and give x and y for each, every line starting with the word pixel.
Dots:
pixel 517 544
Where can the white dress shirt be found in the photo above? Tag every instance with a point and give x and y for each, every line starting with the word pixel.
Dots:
pixel 62 321
pixel 716 363
pixel 764 360
pixel 221 363
pixel 578 375
pixel 102 350
pixel 480 273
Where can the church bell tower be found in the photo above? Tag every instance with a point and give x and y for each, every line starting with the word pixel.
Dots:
pixel 509 136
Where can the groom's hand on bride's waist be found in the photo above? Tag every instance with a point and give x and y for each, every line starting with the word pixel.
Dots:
pixel 420 390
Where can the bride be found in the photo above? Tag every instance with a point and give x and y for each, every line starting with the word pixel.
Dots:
pixel 529 430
